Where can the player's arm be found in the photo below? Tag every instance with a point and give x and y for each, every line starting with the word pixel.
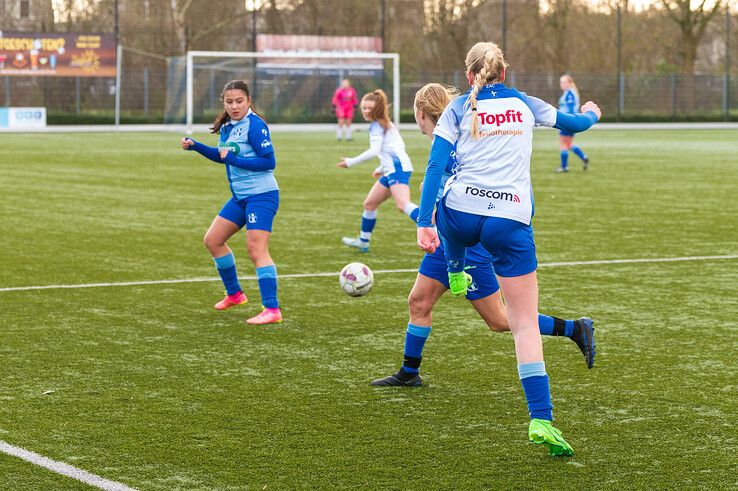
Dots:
pixel 211 153
pixel 251 163
pixel 547 115
pixel 439 157
pixel 375 146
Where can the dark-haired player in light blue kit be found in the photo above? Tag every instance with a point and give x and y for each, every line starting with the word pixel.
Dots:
pixel 432 280
pixel 245 148
pixel 569 103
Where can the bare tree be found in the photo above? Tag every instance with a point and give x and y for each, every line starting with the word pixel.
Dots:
pixel 692 23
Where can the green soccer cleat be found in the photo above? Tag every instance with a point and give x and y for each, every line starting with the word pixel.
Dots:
pixel 459 282
pixel 541 431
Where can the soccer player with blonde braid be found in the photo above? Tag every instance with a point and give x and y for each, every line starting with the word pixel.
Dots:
pixel 484 291
pixel 488 201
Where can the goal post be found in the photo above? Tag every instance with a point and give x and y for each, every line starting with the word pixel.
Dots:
pixel 328 67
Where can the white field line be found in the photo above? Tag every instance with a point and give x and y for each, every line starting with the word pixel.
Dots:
pixel 377 271
pixel 63 469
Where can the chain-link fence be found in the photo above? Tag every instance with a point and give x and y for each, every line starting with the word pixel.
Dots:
pixel 632 63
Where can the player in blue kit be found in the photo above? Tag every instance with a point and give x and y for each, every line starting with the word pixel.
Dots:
pixel 245 148
pixel 393 173
pixel 569 103
pixel 483 293
pixel 489 201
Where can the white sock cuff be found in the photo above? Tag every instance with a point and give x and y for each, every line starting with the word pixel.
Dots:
pixel 409 208
pixel 369 214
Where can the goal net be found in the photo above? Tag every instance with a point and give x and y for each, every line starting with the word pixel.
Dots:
pixel 286 87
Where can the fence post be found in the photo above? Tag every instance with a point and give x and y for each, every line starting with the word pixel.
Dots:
pixel 77 93
pixel 673 95
pixel 726 76
pixel 146 91
pixel 621 77
pixel 118 70
pixel 7 91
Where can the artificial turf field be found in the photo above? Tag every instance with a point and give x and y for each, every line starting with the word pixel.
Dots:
pixel 149 386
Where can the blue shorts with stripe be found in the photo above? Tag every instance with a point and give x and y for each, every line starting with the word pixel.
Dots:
pixel 509 242
pixel 397 177
pixel 484 280
pixel 255 212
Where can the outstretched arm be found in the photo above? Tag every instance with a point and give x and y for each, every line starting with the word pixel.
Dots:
pixel 268 162
pixel 206 151
pixel 375 145
pixel 575 122
pixel 547 115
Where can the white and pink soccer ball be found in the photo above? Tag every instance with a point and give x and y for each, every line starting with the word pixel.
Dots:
pixel 356 279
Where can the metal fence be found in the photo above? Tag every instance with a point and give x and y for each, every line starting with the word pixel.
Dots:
pixel 145 90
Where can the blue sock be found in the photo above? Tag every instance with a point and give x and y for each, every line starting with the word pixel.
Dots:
pixel 414 341
pixel 227 270
pixel 564 158
pixel 267 278
pixel 578 151
pixel 368 221
pixel 553 326
pixel 537 391
pixel 412 210
pixel 545 325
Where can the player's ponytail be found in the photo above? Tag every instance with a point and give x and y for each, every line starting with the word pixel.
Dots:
pixel 487 63
pixel 380 113
pixel 433 98
pixel 223 117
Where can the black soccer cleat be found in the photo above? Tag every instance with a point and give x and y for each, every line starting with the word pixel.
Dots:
pixel 583 335
pixel 585 164
pixel 399 379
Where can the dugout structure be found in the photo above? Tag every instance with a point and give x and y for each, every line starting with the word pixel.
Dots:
pixel 287 86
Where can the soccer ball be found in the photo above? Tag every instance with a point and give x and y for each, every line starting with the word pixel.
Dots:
pixel 356 279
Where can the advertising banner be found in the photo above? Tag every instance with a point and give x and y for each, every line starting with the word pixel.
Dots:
pixel 36 54
pixel 22 117
pixel 305 45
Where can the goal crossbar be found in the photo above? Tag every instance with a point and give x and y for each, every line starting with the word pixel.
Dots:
pixel 395 57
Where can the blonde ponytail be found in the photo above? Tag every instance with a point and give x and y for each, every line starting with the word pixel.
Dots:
pixel 487 62
pixel 433 98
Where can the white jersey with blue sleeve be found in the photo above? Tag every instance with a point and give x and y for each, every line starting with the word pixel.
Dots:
pixel 388 146
pixel 248 138
pixel 569 102
pixel 493 177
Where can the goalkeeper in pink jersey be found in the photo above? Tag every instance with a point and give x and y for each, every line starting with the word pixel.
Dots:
pixel 344 99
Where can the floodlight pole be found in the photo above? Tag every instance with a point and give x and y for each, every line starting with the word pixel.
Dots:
pixel 189 73
pixel 621 76
pixel 726 79
pixel 118 70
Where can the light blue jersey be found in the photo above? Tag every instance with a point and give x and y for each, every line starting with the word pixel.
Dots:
pixel 569 102
pixel 248 138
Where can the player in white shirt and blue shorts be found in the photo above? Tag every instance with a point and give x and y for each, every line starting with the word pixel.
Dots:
pixel 393 173
pixel 489 202
pixel 483 292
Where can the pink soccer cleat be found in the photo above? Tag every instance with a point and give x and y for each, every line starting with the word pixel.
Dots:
pixel 231 301
pixel 267 316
